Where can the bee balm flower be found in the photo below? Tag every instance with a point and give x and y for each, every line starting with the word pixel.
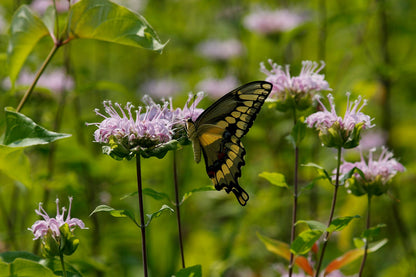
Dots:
pixel 336 131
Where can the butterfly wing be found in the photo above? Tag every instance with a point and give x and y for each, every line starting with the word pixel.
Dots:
pixel 219 129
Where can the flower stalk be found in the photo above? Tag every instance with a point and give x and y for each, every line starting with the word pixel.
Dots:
pixel 334 200
pixel 177 205
pixel 142 223
pixel 366 239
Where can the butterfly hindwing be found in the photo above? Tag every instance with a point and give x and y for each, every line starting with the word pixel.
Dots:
pixel 219 130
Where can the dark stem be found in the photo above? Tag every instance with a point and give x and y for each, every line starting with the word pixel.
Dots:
pixel 177 205
pixel 42 68
pixel 366 239
pixel 61 257
pixel 142 223
pixel 334 200
pixel 295 199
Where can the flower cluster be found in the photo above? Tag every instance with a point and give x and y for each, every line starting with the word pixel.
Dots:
pixel 57 233
pixel 152 132
pixel 221 50
pixel 374 175
pixel 295 90
pixel 336 131
pixel 270 22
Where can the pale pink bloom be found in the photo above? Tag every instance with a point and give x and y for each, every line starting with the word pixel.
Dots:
pixel 216 88
pixel 372 139
pixel 41 227
pixel 308 81
pixel 323 120
pixel 382 169
pixel 40 6
pixel 221 49
pixel 273 21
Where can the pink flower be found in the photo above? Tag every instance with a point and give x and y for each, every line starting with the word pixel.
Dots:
pixel 41 227
pixel 221 50
pixel 336 131
pixel 268 21
pixel 308 81
pixel 217 87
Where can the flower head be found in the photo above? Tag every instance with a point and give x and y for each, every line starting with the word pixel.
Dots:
pixel 375 174
pixel 221 50
pixel 336 131
pixel 269 22
pixel 298 90
pixel 41 227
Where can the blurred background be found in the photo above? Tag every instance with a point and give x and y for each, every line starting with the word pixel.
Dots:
pixel 215 46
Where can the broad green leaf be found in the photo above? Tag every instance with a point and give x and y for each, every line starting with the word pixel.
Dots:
pixel 189 193
pixel 340 223
pixel 10 256
pixel 321 171
pixel 107 21
pixel 274 178
pixel 282 249
pixel 158 213
pixel 26 30
pixel 15 164
pixel 21 131
pixel 155 194
pixel 23 268
pixel 115 213
pixel 373 232
pixel 313 224
pixel 304 241
pixel 192 271
pixel 4 269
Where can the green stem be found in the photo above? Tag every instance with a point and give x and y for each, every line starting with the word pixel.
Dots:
pixel 41 70
pixel 334 200
pixel 61 257
pixel 142 223
pixel 295 199
pixel 177 205
pixel 366 239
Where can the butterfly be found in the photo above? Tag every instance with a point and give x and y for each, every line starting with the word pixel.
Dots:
pixel 217 133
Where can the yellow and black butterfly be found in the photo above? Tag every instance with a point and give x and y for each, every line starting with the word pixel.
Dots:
pixel 218 132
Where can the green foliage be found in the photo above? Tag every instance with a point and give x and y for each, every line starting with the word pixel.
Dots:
pixel 193 271
pixel 275 178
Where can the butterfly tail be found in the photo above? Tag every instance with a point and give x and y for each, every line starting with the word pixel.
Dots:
pixel 241 194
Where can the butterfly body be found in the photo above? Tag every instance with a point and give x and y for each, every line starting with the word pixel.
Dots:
pixel 217 133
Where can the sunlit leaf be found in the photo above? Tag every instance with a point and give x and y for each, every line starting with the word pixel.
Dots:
pixel 313 224
pixel 340 223
pixel 164 208
pixel 115 213
pixel 274 178
pixel 304 241
pixel 189 193
pixel 26 30
pixel 21 131
pixel 192 271
pixel 352 255
pixel 107 21
pixel 23 268
pixel 15 164
pixel 321 171
pixel 282 249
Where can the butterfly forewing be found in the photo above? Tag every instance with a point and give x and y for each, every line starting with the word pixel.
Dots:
pixel 219 130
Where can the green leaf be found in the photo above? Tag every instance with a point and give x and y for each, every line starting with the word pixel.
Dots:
pixel 15 164
pixel 160 150
pixel 21 131
pixel 349 174
pixel 321 171
pixel 304 241
pixel 104 20
pixel 23 268
pixel 313 225
pixel 340 223
pixel 274 178
pixel 10 256
pixel 158 213
pixel 26 30
pixel 155 194
pixel 371 233
pixel 115 213
pixel 192 271
pixel 189 193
